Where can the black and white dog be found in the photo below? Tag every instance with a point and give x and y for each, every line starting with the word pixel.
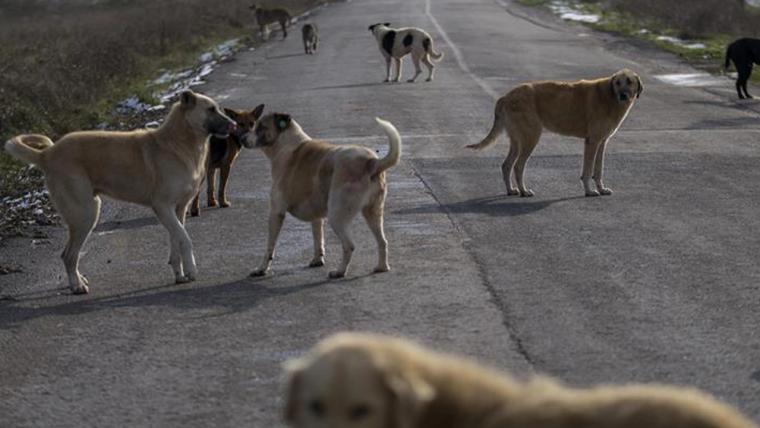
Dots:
pixel 744 53
pixel 394 43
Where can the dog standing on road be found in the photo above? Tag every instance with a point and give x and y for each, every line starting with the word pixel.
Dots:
pixel 222 155
pixel 312 180
pixel 160 168
pixel 395 43
pixel 353 380
pixel 310 35
pixel 588 109
pixel 744 53
pixel 265 17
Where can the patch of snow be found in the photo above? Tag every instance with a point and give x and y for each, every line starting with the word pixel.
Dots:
pixel 566 11
pixel 680 42
pixel 152 125
pixel 132 105
pixel 691 79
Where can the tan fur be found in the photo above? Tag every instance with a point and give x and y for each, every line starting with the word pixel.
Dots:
pixel 159 168
pixel 366 381
pixel 588 109
pixel 314 180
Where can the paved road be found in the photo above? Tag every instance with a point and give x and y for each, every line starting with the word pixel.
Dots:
pixel 658 282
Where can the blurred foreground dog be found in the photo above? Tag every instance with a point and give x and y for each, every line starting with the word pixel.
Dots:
pixel 395 43
pixel 310 35
pixel 356 380
pixel 265 17
pixel 160 168
pixel 312 180
pixel 744 53
pixel 222 155
pixel 588 109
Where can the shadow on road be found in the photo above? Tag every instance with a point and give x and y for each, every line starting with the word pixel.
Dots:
pixel 352 85
pixel 285 56
pixel 495 206
pixel 233 297
pixel 126 224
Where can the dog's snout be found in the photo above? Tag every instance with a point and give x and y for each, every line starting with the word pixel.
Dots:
pixel 624 97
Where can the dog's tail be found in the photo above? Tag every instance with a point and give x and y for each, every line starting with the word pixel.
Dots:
pixel 496 129
pixel 394 153
pixel 29 148
pixel 728 58
pixel 428 45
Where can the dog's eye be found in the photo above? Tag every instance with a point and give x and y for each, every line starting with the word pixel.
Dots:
pixel 358 412
pixel 628 80
pixel 317 408
pixel 617 83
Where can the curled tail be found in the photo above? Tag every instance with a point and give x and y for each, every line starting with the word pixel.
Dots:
pixel 394 153
pixel 496 129
pixel 428 45
pixel 29 148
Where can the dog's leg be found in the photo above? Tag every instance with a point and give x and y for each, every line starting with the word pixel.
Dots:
pixel 342 207
pixel 388 64
pixel 590 148
pixel 417 68
pixel 743 73
pixel 317 232
pixel 276 218
pixel 195 207
pixel 167 215
pixel 211 187
pixel 430 67
pixel 284 25
pixel 599 169
pixel 525 140
pixel 224 177
pixel 508 166
pixel 746 78
pixel 398 69
pixel 373 214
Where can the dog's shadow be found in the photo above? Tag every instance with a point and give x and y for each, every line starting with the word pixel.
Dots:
pixel 351 85
pixel 494 206
pixel 230 298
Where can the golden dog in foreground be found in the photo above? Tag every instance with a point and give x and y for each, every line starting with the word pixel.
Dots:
pixel 368 381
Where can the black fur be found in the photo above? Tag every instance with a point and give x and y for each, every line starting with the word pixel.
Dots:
pixel 426 44
pixel 744 53
pixel 388 40
pixel 408 40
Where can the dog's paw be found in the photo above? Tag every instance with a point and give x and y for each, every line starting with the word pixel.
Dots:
pixel 261 272
pixel 605 191
pixel 195 213
pixel 212 203
pixel 592 193
pixel 83 279
pixel 410 81
pixel 225 204
pixel 336 274
pixel 429 79
pixel 527 193
pixel 381 269
pixel 184 279
pixel 512 192
pixel 80 289
pixel 317 262
pixel 387 81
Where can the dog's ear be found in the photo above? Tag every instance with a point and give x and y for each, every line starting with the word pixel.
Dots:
pixel 387 24
pixel 282 121
pixel 232 114
pixel 294 369
pixel 258 111
pixel 409 395
pixel 372 27
pixel 187 98
pixel 641 86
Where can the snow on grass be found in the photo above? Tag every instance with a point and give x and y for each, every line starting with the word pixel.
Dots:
pixel 569 12
pixel 680 42
pixel 691 79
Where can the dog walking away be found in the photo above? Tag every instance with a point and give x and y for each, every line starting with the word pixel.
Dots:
pixel 159 168
pixel 265 17
pixel 353 380
pixel 222 155
pixel 313 180
pixel 588 109
pixel 395 43
pixel 310 36
pixel 744 53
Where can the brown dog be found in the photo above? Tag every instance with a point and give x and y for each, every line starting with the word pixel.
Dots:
pixel 366 381
pixel 312 180
pixel 588 109
pixel 222 155
pixel 159 168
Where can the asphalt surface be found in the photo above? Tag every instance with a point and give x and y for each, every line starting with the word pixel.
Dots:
pixel 656 283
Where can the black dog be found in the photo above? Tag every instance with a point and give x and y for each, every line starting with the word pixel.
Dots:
pixel 744 53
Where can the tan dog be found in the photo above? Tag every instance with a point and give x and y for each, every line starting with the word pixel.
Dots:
pixel 160 168
pixel 366 381
pixel 312 180
pixel 588 109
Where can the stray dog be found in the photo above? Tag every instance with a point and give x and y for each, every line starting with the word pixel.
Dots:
pixel 265 17
pixel 394 43
pixel 160 168
pixel 744 53
pixel 222 155
pixel 588 109
pixel 310 36
pixel 312 180
pixel 358 380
